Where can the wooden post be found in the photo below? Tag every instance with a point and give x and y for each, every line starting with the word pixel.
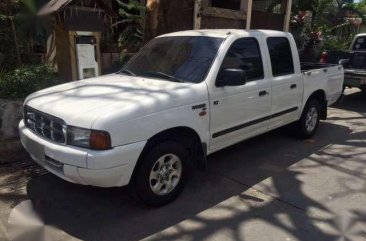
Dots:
pixel 286 25
pixel 197 14
pixel 246 6
pixel 73 55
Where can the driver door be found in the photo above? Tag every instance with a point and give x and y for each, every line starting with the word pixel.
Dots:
pixel 240 112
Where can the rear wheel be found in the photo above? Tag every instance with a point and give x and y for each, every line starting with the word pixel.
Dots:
pixel 161 176
pixel 309 121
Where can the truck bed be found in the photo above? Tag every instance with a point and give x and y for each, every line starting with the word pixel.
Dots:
pixel 329 76
pixel 305 66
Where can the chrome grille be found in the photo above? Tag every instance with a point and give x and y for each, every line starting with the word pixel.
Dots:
pixel 47 126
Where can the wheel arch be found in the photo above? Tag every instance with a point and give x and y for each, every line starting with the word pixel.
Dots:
pixel 187 136
pixel 320 96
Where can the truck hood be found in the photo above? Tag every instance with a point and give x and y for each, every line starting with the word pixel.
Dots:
pixel 80 103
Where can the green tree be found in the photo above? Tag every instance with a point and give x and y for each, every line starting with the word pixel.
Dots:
pixel 20 30
pixel 131 23
pixel 8 14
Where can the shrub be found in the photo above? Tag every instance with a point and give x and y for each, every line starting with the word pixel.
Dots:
pixel 334 43
pixel 23 81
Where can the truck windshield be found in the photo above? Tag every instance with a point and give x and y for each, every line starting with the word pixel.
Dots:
pixel 360 44
pixel 178 58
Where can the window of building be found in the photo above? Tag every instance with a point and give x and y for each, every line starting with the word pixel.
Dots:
pixel 228 4
pixel 269 6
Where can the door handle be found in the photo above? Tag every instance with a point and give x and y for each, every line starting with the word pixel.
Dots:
pixel 293 86
pixel 263 93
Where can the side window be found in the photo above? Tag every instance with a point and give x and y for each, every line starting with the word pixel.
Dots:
pixel 244 54
pixel 360 44
pixel 281 56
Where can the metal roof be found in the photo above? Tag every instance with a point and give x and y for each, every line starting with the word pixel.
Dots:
pixel 53 6
pixel 223 33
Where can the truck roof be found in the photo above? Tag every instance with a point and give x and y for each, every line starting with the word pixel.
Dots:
pixel 223 33
pixel 360 34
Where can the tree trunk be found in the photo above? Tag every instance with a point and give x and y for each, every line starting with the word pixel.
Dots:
pixel 151 20
pixel 19 59
pixel 13 29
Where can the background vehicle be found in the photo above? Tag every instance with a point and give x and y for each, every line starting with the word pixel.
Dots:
pixel 355 64
pixel 334 56
pixel 182 97
pixel 353 61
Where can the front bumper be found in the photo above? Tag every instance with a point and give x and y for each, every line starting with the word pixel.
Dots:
pixel 108 168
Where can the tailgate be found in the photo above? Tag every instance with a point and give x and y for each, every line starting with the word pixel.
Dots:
pixel 334 85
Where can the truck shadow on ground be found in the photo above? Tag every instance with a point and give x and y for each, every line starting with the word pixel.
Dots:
pixel 354 100
pixel 95 214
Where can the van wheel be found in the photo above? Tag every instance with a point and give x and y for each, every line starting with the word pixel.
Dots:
pixel 162 174
pixel 309 120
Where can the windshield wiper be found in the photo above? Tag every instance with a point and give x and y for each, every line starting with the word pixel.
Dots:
pixel 127 71
pixel 162 75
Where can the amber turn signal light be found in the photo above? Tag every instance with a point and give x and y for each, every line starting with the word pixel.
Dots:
pixel 100 140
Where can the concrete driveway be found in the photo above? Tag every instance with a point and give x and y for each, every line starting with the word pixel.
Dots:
pixel 272 187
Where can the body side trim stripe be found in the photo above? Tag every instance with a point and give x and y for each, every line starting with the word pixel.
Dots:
pixel 284 112
pixel 253 122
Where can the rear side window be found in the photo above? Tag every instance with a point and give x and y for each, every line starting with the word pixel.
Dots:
pixel 281 56
pixel 244 54
pixel 360 44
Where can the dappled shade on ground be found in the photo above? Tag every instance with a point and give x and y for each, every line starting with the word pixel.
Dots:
pixel 272 187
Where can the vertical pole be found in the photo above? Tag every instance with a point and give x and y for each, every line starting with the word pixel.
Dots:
pixel 286 25
pixel 9 16
pixel 19 59
pixel 197 14
pixel 247 6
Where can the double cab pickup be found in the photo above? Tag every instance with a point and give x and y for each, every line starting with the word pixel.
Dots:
pixel 184 96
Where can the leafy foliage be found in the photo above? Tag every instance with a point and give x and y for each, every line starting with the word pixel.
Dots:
pixel 132 23
pixel 21 82
pixel 334 43
pixel 339 37
pixel 22 33
pixel 324 24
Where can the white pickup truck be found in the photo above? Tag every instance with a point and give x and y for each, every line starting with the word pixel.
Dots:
pixel 184 96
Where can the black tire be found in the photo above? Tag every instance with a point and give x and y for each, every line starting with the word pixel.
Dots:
pixel 148 161
pixel 363 89
pixel 302 129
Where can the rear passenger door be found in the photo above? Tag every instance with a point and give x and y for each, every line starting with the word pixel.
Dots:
pixel 287 82
pixel 239 112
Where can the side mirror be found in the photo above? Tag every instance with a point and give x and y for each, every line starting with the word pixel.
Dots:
pixel 231 77
pixel 343 62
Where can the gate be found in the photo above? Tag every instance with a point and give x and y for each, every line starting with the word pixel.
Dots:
pixel 268 14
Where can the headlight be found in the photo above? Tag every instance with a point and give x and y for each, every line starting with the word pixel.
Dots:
pixel 93 139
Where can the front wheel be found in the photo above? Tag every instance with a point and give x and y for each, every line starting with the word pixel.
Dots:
pixel 309 121
pixel 161 175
